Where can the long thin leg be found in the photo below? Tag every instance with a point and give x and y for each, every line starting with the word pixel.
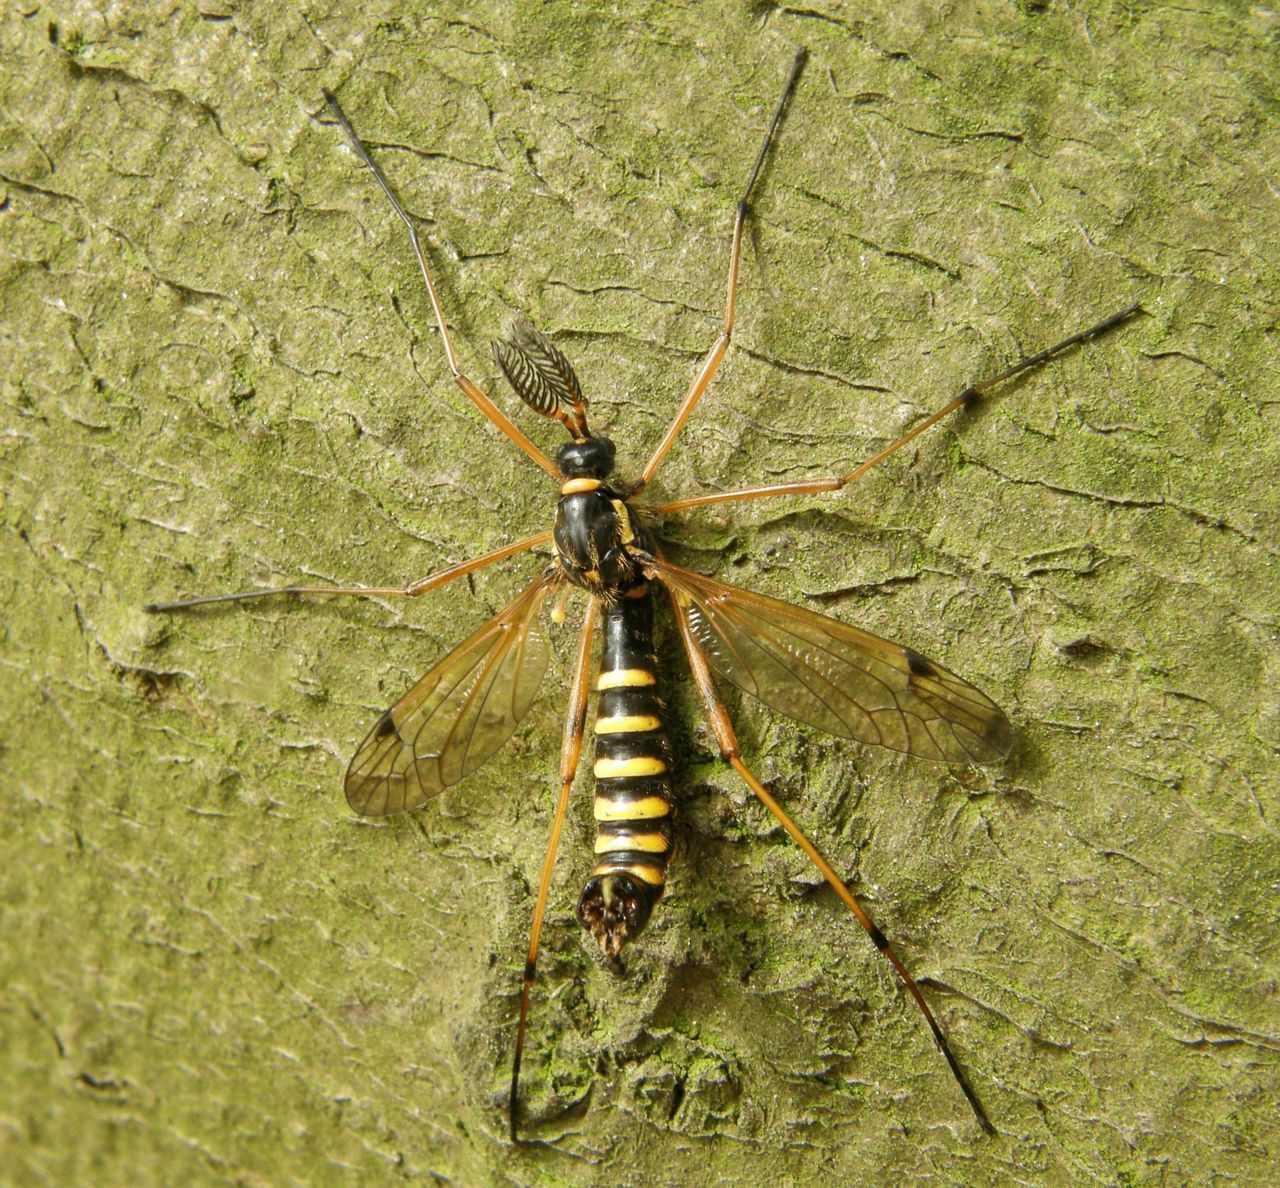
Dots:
pixel 570 750
pixel 412 590
pixel 712 362
pixel 477 397
pixel 967 397
pixel 727 741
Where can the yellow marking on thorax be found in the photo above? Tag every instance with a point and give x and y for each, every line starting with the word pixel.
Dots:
pixel 627 723
pixel 649 874
pixel 643 765
pixel 580 486
pixel 638 592
pixel 625 532
pixel 625 678
pixel 645 809
pixel 645 843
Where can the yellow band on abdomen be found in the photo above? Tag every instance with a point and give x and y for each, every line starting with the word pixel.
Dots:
pixel 622 678
pixel 649 874
pixel 645 843
pixel 627 723
pixel 644 809
pixel 643 765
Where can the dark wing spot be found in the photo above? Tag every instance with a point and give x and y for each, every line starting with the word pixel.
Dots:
pixel 918 664
pixel 385 726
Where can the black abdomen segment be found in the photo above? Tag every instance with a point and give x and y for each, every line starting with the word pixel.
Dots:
pixel 633 756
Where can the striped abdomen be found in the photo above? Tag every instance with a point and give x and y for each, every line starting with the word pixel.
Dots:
pixel 633 779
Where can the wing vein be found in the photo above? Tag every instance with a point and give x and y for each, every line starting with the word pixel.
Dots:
pixel 833 676
pixel 457 715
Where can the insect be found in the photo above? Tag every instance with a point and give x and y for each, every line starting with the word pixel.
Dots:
pixel 807 666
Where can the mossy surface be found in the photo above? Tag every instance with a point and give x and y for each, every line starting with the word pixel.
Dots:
pixel 218 370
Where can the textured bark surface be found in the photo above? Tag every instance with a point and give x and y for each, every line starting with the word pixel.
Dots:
pixel 219 370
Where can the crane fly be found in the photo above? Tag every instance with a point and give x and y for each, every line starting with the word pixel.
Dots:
pixel 814 669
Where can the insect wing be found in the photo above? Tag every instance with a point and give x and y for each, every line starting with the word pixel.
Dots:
pixel 457 715
pixel 842 680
